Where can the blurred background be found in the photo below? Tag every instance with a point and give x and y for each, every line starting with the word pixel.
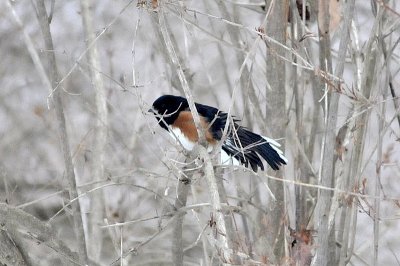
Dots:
pixel 129 174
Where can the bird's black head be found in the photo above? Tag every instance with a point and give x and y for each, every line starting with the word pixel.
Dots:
pixel 168 107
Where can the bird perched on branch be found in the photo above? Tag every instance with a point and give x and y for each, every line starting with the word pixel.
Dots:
pixel 239 145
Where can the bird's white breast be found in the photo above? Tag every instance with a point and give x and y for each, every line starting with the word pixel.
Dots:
pixel 177 134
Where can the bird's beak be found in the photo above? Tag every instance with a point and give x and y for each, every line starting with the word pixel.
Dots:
pixel 151 110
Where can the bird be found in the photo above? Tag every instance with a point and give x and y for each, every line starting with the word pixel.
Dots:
pixel 240 145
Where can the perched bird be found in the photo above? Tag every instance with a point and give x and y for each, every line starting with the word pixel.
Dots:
pixel 239 146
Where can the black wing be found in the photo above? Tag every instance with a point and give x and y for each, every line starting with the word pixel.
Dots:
pixel 242 144
pixel 247 147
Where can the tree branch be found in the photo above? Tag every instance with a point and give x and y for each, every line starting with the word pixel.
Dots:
pixel 100 133
pixel 323 207
pixel 276 115
pixel 221 242
pixel 62 129
pixel 19 221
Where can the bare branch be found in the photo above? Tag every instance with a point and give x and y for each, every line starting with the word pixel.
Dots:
pixel 221 242
pixel 62 129
pixel 100 132
pixel 327 174
pixel 19 221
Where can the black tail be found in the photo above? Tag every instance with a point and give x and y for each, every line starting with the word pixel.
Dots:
pixel 247 147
